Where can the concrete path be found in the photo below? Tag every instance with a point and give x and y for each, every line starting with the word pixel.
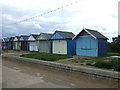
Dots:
pixel 27 75
pixel 92 71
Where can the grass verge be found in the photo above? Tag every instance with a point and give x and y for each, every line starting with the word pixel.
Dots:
pixel 10 49
pixel 113 64
pixel 100 61
pixel 46 57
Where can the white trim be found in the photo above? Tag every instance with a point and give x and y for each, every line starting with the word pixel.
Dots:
pixel 3 40
pixel 15 39
pixel 90 34
pixel 21 39
pixel 76 35
pixel 85 31
pixel 29 38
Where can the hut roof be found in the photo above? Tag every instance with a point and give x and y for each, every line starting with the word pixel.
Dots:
pixel 67 34
pixel 93 33
pixel 11 38
pixel 64 34
pixel 18 37
pixel 25 37
pixel 35 35
pixel 46 35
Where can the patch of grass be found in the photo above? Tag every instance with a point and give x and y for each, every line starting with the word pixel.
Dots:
pixel 113 64
pixel 82 61
pixel 16 49
pixel 46 57
pixel 82 64
pixel 90 62
pixel 78 60
pixel 6 49
pixel 9 50
pixel 102 58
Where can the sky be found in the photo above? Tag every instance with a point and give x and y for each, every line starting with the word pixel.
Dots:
pixel 100 15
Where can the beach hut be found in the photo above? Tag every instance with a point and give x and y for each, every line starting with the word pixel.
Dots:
pixel 44 45
pixel 11 42
pixel 24 42
pixel 90 43
pixel 7 44
pixel 3 43
pixel 16 43
pixel 33 44
pixel 62 43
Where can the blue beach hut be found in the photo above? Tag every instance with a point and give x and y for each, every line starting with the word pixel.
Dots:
pixel 90 43
pixel 62 43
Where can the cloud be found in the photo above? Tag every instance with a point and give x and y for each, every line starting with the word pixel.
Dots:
pixel 101 15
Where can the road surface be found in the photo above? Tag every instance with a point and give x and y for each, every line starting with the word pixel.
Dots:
pixel 26 75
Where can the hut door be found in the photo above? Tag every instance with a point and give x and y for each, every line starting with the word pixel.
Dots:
pixel 59 47
pixel 23 46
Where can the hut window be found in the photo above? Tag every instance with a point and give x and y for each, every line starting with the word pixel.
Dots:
pixel 86 49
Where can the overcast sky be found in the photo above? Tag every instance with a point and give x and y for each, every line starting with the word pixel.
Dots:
pixel 101 15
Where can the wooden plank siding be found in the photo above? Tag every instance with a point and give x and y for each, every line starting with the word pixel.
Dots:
pixel 90 43
pixel 44 45
pixel 62 43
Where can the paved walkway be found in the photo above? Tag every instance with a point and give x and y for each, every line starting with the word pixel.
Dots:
pixel 93 71
pixel 27 75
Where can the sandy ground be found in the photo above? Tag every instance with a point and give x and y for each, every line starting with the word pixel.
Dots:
pixel 26 75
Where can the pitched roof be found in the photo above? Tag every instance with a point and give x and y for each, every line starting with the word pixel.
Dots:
pixel 18 37
pixel 46 36
pixel 93 33
pixel 11 38
pixel 7 39
pixel 35 35
pixel 66 34
pixel 25 37
pixel 3 40
pixel 96 34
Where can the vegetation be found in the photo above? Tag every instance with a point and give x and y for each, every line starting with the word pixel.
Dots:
pixel 100 62
pixel 6 50
pixel 16 49
pixel 115 45
pixel 113 64
pixel 113 54
pixel 46 57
